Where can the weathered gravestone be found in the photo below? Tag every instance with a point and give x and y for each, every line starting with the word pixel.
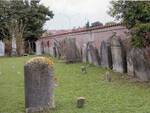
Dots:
pixel 130 68
pixel 84 53
pixel 105 55
pixel 118 55
pixel 56 50
pixel 140 59
pixel 70 50
pixel 2 48
pixel 39 85
pixel 38 48
pixel 93 57
pixel 14 46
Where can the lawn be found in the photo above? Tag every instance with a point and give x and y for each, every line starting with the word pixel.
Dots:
pixel 118 96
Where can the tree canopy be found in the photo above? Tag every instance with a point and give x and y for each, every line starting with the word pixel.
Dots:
pixel 29 13
pixel 136 16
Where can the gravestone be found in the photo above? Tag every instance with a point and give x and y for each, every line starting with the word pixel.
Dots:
pixel 39 85
pixel 105 55
pixel 93 57
pixel 70 50
pixel 14 46
pixel 2 48
pixel 118 54
pixel 130 67
pixel 80 102
pixel 84 53
pixel 141 63
pixel 38 48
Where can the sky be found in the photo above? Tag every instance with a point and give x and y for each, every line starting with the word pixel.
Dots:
pixel 75 13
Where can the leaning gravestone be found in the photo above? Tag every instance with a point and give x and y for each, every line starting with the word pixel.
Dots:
pixel 118 55
pixel 2 48
pixel 141 63
pixel 84 53
pixel 39 85
pixel 105 55
pixel 92 55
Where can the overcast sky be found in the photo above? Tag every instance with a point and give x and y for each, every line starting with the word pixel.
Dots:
pixel 75 13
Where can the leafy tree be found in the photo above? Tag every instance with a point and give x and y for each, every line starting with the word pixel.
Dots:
pixel 30 13
pixel 110 23
pixel 136 16
pixel 87 25
pixel 23 20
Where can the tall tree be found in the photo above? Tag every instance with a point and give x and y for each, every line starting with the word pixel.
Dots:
pixel 23 19
pixel 28 12
pixel 136 16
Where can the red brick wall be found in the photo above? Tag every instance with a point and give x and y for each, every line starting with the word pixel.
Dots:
pixel 96 35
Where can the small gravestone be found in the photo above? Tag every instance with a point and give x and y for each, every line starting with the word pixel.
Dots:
pixel 118 55
pixel 2 48
pixel 83 69
pixel 93 57
pixel 84 53
pixel 39 84
pixel 105 55
pixel 108 76
pixel 80 102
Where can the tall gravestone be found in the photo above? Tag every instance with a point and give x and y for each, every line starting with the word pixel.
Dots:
pixel 105 54
pixel 2 48
pixel 38 74
pixel 141 63
pixel 118 54
pixel 84 53
pixel 14 46
pixel 93 57
pixel 130 67
pixel 38 48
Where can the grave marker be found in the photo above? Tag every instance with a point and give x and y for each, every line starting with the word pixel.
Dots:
pixel 39 85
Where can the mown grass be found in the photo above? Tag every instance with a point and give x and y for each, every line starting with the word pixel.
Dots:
pixel 118 96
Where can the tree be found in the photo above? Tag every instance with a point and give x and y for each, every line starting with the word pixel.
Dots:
pixel 97 23
pixel 29 16
pixel 136 16
pixel 87 25
pixel 110 23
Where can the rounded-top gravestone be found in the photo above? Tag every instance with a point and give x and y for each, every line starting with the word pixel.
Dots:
pixel 118 54
pixel 39 84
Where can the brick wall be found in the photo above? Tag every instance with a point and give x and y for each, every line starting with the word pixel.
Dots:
pixel 96 34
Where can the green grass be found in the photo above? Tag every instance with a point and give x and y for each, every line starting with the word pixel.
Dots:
pixel 118 96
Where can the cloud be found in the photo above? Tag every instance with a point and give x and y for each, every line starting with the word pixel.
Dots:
pixel 70 13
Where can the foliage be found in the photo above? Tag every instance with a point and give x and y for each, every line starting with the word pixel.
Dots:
pixel 97 23
pixel 87 25
pixel 31 13
pixel 141 35
pixel 136 16
pixel 110 23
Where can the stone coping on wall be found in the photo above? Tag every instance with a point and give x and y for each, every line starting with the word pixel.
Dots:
pixel 84 30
